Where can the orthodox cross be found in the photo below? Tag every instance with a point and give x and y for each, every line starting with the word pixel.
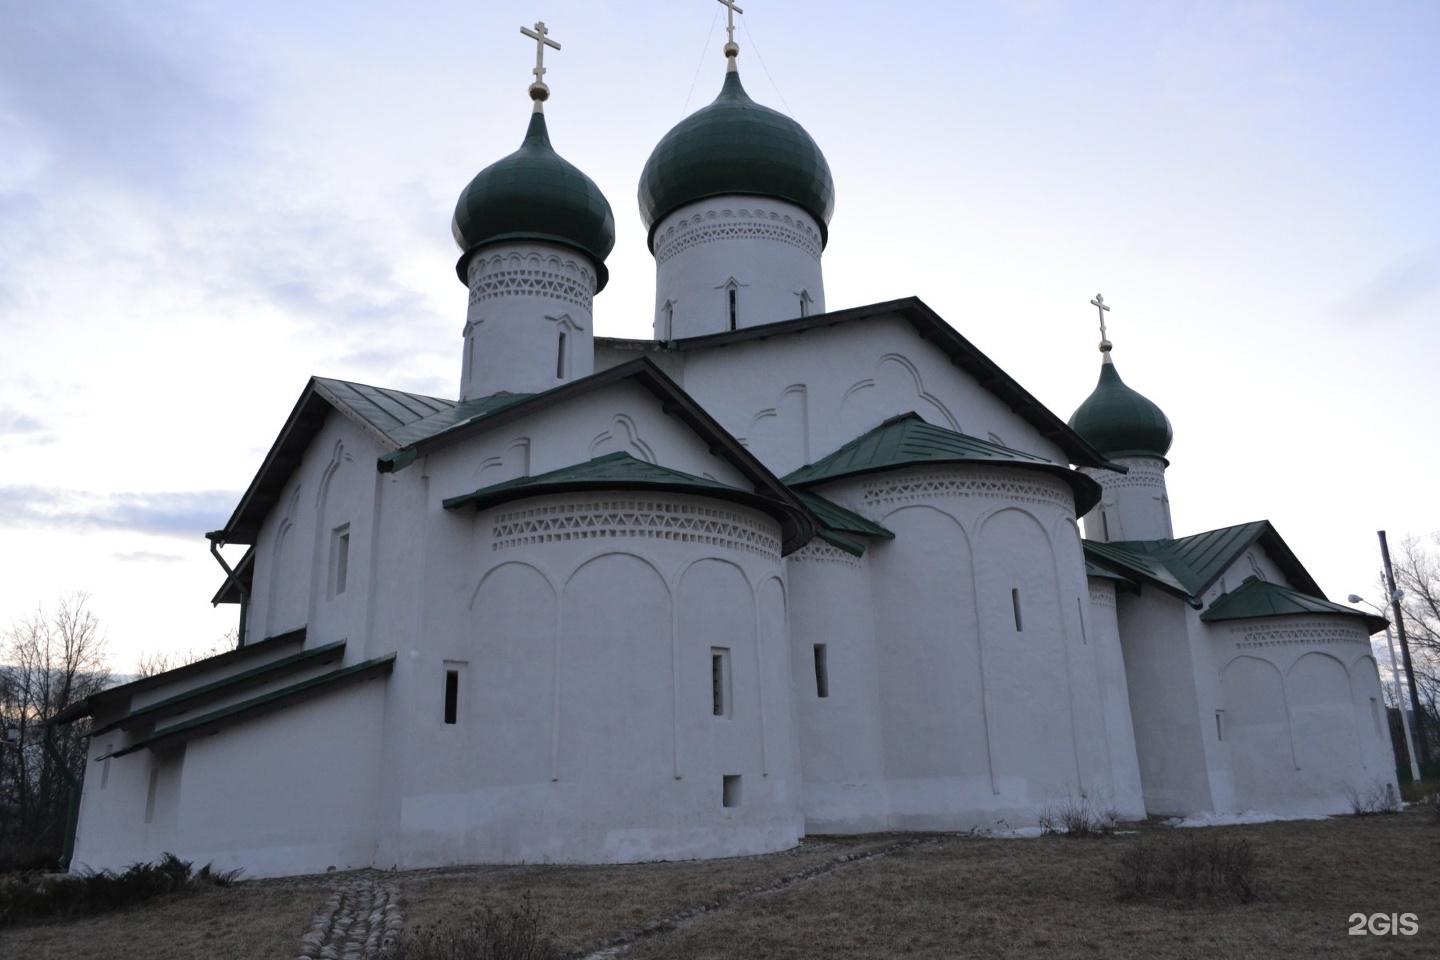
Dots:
pixel 538 89
pixel 1099 304
pixel 731 48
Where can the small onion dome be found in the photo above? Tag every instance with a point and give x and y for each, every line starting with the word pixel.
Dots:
pixel 1119 422
pixel 534 194
pixel 736 146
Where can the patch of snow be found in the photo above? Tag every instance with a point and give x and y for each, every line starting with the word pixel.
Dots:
pixel 1231 819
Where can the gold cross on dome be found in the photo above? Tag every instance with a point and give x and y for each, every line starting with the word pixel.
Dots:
pixel 542 40
pixel 730 10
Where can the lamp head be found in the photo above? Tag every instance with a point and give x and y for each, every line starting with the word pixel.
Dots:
pixel 1355 598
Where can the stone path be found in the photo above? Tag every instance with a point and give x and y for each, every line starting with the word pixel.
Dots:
pixel 361 919
pixel 620 946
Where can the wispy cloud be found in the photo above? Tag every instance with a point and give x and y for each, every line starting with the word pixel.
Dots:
pixel 188 515
pixel 145 556
pixel 1393 290
pixel 15 423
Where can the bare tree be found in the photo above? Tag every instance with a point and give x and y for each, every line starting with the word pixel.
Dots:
pixel 150 664
pixel 47 662
pixel 1417 572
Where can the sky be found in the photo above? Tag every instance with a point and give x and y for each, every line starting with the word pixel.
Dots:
pixel 202 205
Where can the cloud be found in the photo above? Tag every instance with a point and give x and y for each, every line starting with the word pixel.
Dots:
pixel 15 423
pixel 187 515
pixel 105 93
pixel 1394 290
pixel 144 556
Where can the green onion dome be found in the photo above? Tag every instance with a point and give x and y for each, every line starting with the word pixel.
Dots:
pixel 534 194
pixel 736 146
pixel 1119 422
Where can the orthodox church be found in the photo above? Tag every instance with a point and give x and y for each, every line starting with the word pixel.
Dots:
pixel 778 570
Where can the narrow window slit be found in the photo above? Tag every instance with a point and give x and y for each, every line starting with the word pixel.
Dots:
pixel 734 308
pixel 720 681
pixel 560 357
pixel 1015 602
pixel 452 695
pixel 1220 725
pixel 822 671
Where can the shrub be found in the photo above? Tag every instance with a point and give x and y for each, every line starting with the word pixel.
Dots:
pixel 1190 869
pixel 1079 816
pixel 516 933
pixel 1377 797
pixel 36 896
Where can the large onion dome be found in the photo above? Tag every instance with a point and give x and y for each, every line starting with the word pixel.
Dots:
pixel 534 194
pixel 736 146
pixel 1119 422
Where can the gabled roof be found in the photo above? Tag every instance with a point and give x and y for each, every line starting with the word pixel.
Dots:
pixel 908 441
pixel 408 426
pixel 380 413
pixel 1255 599
pixel 1189 566
pixel 931 327
pixel 621 471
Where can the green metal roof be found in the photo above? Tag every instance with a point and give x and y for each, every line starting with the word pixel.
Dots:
pixel 621 471
pixel 264 704
pixel 84 708
pixel 1255 599
pixel 1119 422
pixel 534 194
pixel 736 146
pixel 386 411
pixel 1190 565
pixel 245 680
pixel 837 518
pixel 908 441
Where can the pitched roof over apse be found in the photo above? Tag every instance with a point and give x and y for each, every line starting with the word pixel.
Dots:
pixel 1189 566
pixel 1256 599
pixel 908 441
pixel 839 524
pixel 621 471
pixel 930 326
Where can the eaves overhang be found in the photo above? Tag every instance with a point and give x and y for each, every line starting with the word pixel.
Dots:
pixel 111 695
pixel 622 472
pixel 932 328
pixel 262 705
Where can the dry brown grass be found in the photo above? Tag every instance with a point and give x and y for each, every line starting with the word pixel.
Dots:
pixel 251 921
pixel 929 896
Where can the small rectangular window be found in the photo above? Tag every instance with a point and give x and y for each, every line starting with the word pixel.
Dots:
pixel 720 681
pixel 1080 612
pixel 822 672
pixel 1220 725
pixel 730 790
pixel 105 765
pixel 734 309
pixel 560 357
pixel 1375 715
pixel 1015 602
pixel 452 694
pixel 339 559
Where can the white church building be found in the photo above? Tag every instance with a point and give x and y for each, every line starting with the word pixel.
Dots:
pixel 779 570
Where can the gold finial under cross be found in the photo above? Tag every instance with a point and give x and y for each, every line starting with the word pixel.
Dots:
pixel 732 49
pixel 539 92
pixel 1102 308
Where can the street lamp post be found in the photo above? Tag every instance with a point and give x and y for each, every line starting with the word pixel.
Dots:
pixel 1395 678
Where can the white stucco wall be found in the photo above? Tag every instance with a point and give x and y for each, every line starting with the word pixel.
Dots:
pixel 767 252
pixel 523 298
pixel 1134 505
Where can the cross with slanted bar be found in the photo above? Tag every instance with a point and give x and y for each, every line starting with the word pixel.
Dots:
pixel 730 10
pixel 539 35
pixel 1099 304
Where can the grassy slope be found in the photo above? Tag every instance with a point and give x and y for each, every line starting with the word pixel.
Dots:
pixel 942 896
